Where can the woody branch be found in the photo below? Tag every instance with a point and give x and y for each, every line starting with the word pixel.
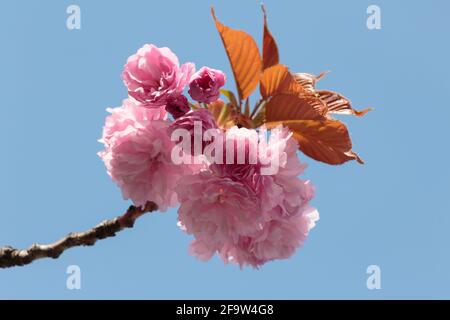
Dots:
pixel 12 257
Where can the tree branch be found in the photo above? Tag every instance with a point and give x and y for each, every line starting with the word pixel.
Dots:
pixel 11 257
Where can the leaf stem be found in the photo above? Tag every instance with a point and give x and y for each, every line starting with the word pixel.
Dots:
pixel 257 106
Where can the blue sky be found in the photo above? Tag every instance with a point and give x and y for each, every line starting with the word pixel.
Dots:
pixel 393 211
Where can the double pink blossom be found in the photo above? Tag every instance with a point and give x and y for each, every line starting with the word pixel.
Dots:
pixel 232 207
pixel 137 155
pixel 246 217
pixel 177 106
pixel 205 84
pixel 153 75
pixel 203 119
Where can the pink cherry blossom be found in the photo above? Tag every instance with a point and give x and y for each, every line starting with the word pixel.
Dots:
pixel 177 106
pixel 205 121
pixel 130 113
pixel 280 237
pixel 217 211
pixel 297 193
pixel 153 75
pixel 137 155
pixel 205 84
pixel 244 216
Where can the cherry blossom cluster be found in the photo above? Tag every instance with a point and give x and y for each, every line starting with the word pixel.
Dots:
pixel 232 208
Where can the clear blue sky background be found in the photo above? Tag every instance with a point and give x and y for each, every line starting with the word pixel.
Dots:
pixel 393 212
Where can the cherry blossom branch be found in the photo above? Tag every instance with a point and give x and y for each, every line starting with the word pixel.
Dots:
pixel 11 257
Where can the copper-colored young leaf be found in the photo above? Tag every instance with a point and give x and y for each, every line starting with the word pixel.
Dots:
pixel 308 81
pixel 338 104
pixel 335 102
pixel 291 107
pixel 323 140
pixel 244 58
pixel 278 79
pixel 270 49
pixel 225 114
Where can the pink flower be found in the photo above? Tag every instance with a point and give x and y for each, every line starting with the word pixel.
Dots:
pixel 177 106
pixel 137 155
pixel 279 188
pixel 241 214
pixel 278 239
pixel 203 119
pixel 130 113
pixel 153 75
pixel 204 85
pixel 240 156
pixel 297 193
pixel 217 211
pixel 282 236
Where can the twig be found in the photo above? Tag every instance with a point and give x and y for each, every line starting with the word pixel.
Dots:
pixel 11 257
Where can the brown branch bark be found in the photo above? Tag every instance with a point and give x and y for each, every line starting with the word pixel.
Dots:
pixel 11 257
